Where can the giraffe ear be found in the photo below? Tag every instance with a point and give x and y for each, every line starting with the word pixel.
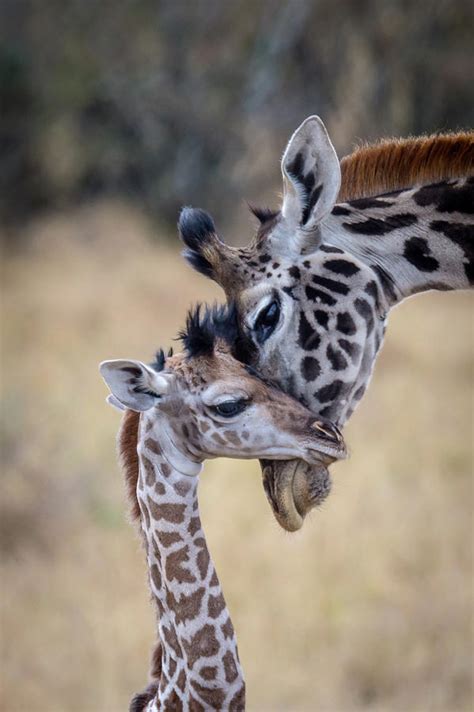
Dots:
pixel 114 402
pixel 311 180
pixel 132 384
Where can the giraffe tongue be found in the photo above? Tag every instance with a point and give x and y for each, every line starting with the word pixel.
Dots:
pixel 293 488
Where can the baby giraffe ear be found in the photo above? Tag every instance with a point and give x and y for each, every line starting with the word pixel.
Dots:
pixel 132 384
pixel 311 179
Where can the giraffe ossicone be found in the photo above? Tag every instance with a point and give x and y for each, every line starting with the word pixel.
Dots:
pixel 351 239
pixel 181 410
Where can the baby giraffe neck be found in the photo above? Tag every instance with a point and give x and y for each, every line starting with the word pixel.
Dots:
pixel 200 663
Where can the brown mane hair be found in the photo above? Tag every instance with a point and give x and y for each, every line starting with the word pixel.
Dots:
pixel 127 441
pixel 397 164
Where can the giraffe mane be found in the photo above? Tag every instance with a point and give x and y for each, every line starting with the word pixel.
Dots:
pixel 398 164
pixel 127 442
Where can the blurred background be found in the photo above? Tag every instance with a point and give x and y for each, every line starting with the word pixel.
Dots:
pixel 113 116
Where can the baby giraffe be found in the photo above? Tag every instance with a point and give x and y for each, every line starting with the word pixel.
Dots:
pixel 200 404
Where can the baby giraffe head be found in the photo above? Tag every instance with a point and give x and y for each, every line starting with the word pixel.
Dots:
pixel 204 403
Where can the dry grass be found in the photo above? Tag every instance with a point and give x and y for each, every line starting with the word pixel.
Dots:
pixel 369 607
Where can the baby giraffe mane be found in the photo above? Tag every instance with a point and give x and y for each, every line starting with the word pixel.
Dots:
pixel 399 164
pixel 204 326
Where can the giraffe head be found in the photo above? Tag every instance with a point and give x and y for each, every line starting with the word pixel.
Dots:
pixel 313 312
pixel 210 405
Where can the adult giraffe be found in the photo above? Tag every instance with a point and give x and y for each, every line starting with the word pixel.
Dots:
pixel 181 410
pixel 314 288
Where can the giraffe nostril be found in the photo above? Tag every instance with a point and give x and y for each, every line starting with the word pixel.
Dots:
pixel 330 432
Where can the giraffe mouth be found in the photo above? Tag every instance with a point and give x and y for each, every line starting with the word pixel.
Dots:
pixel 293 488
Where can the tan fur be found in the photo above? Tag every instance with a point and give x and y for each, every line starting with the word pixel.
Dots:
pixel 396 164
pixel 127 440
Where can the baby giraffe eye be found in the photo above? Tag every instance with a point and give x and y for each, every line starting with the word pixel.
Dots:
pixel 266 321
pixel 230 407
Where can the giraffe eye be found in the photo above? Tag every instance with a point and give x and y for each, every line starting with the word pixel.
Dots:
pixel 230 407
pixel 266 321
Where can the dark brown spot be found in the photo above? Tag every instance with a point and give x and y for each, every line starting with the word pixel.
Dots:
pixel 182 488
pixel 208 672
pixel 181 681
pixel 228 629
pixel 337 359
pixel 232 438
pixel 173 513
pixel 345 324
pixel 381 226
pixel 330 392
pixel 340 266
pixel 215 605
pixel 214 697
pixel 152 445
pixel 168 538
pixel 318 296
pixel 237 703
pixel 202 557
pixel 340 210
pixel 150 476
pixel 417 252
pixel 230 667
pixel 171 639
pixel 203 644
pixel 194 525
pixel 160 489
pixel 308 339
pixel 310 368
pixel 174 566
pixel 185 607
pixel 218 439
pixel 195 705
pixel 330 284
pixel 165 469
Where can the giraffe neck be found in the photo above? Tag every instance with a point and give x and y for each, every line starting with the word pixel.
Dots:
pixel 415 240
pixel 200 665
